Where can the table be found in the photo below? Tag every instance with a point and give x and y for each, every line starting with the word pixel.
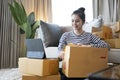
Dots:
pixel 111 73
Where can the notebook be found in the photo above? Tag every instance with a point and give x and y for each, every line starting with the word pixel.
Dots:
pixel 35 48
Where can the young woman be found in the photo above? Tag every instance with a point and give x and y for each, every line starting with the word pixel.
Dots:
pixel 78 36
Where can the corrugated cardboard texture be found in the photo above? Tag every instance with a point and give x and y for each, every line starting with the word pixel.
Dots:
pixel 114 43
pixel 34 77
pixel 105 33
pixel 40 67
pixel 81 61
pixel 117 27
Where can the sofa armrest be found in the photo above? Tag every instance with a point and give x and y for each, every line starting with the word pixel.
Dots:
pixel 114 56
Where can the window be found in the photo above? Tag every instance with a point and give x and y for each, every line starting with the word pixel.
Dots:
pixel 62 10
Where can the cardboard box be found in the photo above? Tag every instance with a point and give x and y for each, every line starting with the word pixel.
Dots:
pixel 82 61
pixel 99 34
pixel 40 67
pixel 105 33
pixel 94 29
pixel 117 28
pixel 114 43
pixel 34 77
pixel 119 35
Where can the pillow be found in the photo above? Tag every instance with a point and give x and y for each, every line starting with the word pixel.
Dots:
pixel 50 34
pixel 97 23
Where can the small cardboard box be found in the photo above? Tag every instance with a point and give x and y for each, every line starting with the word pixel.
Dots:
pixel 40 67
pixel 94 29
pixel 99 34
pixel 34 77
pixel 119 35
pixel 105 33
pixel 117 28
pixel 114 43
pixel 82 61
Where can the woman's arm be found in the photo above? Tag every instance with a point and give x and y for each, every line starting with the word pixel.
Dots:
pixel 62 42
pixel 61 46
pixel 97 42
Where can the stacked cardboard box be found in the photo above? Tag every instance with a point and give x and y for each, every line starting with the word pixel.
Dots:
pixel 104 33
pixel 34 77
pixel 115 42
pixel 107 34
pixel 35 69
pixel 82 61
pixel 117 29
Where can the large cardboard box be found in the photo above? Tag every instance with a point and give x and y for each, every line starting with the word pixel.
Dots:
pixel 40 67
pixel 82 61
pixel 114 43
pixel 34 77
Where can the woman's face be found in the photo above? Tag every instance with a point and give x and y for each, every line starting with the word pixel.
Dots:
pixel 76 22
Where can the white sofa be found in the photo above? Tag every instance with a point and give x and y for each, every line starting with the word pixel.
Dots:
pixel 114 56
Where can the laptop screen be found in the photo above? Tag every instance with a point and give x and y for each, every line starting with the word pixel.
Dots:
pixel 35 48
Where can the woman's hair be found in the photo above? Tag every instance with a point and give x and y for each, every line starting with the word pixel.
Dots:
pixel 80 13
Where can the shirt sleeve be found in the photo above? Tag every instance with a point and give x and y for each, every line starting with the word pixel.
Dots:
pixel 62 42
pixel 97 42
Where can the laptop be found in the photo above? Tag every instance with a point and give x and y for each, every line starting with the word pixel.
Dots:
pixel 35 49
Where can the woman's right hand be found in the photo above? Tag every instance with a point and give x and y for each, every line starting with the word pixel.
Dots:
pixel 61 55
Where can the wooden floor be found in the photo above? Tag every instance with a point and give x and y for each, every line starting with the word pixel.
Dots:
pixel 10 74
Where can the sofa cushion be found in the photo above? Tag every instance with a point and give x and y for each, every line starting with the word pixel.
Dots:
pixel 96 23
pixel 50 34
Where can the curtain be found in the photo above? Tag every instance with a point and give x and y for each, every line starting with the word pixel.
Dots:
pixel 109 9
pixel 9 37
pixel 10 33
pixel 42 9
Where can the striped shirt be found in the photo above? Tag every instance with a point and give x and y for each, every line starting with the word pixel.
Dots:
pixel 85 39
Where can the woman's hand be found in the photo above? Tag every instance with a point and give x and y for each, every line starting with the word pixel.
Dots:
pixel 85 45
pixel 81 45
pixel 61 55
